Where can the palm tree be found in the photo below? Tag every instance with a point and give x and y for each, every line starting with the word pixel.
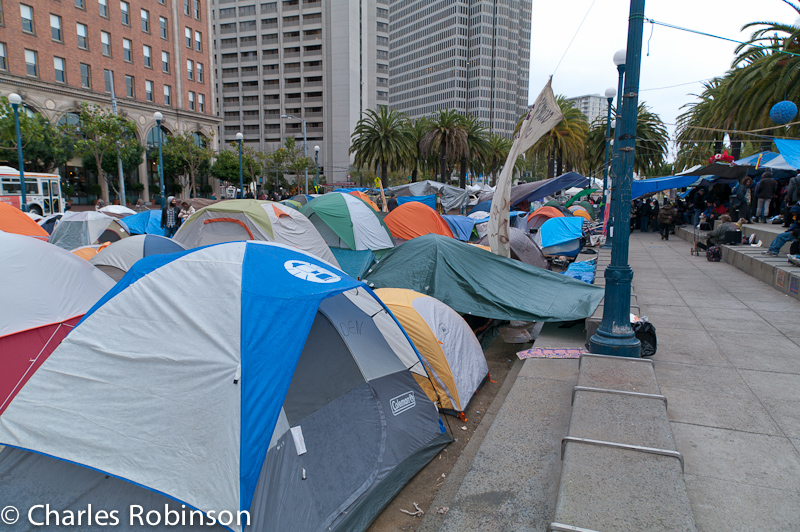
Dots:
pixel 447 136
pixel 477 144
pixel 496 154
pixel 381 138
pixel 566 142
pixel 417 129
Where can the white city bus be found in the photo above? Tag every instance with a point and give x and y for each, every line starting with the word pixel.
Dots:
pixel 42 191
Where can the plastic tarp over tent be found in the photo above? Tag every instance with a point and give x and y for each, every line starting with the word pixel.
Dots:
pixel 452 197
pixel 452 355
pixel 145 223
pixel 560 236
pixel 13 220
pixel 76 229
pixel 249 219
pixel 45 291
pixel 116 259
pixel 461 226
pixel 790 150
pixel 429 200
pixel 257 401
pixel 540 189
pixel 413 219
pixel 348 222
pixel 643 187
pixel 522 248
pixel 766 159
pixel 473 281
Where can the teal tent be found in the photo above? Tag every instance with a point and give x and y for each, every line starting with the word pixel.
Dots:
pixel 474 281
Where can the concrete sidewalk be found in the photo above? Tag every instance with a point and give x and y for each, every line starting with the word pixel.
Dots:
pixel 729 363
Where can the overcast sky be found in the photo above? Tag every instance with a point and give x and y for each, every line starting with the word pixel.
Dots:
pixel 675 57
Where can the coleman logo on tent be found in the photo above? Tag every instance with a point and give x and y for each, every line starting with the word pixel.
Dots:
pixel 310 272
pixel 403 402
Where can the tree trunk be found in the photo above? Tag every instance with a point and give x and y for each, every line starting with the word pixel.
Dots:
pixel 462 179
pixel 551 163
pixel 384 177
pixel 102 180
pixel 560 163
pixel 736 148
pixel 717 147
pixel 414 172
pixel 494 173
pixel 443 160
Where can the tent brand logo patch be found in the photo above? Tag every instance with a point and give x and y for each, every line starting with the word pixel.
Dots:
pixel 403 402
pixel 310 272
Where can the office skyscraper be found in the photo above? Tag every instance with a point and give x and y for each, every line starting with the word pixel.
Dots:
pixel 469 55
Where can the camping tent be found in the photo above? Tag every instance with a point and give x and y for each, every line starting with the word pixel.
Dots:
pixel 473 281
pixel 249 219
pixel 541 215
pixel 359 194
pixel 451 353
pixel 117 211
pixel 461 226
pixel 346 221
pixel 560 236
pixel 414 219
pixel 588 206
pixel 87 252
pixel 452 197
pixel 116 259
pixel 48 223
pixel 580 210
pixel 537 190
pixel 13 220
pixel 76 229
pixel 45 291
pixel 145 223
pixel 522 248
pixel 286 393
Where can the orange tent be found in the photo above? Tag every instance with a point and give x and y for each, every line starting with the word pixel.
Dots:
pixel 541 215
pixel 414 219
pixel 361 195
pixel 13 220
pixel 87 252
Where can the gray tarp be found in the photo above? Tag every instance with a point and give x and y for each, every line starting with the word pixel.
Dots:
pixel 452 197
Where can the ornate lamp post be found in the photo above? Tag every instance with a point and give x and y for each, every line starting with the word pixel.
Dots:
pixel 15 99
pixel 305 142
pixel 615 335
pixel 619 60
pixel 316 162
pixel 159 117
pixel 610 93
pixel 240 137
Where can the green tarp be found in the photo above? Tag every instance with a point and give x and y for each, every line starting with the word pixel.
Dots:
pixel 474 281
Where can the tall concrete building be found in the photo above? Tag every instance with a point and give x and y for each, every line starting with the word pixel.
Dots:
pixel 322 61
pixel 591 105
pixel 60 54
pixel 469 55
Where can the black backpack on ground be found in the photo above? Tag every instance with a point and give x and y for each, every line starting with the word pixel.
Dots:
pixel 646 334
pixel 714 254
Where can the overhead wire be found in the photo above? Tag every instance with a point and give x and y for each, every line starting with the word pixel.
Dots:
pixel 573 37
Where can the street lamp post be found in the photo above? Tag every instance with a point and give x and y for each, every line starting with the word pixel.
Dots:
pixel 316 162
pixel 15 99
pixel 159 117
pixel 610 93
pixel 615 335
pixel 305 143
pixel 619 60
pixel 240 137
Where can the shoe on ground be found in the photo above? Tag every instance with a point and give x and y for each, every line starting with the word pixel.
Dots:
pixel 769 253
pixel 793 259
pixel 752 239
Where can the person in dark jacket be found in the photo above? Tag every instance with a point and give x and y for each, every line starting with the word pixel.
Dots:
pixel 665 217
pixel 740 199
pixel 764 191
pixel 699 204
pixel 170 217
pixel 716 236
pixel 791 234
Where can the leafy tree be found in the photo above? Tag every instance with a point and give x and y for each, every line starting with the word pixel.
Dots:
pixel 416 129
pixel 477 145
pixel 226 166
pixel 566 142
pixel 382 139
pixel 294 160
pixel 446 136
pixel 496 154
pixel 131 157
pixel 30 131
pixel 99 132
pixel 194 156
pixel 45 147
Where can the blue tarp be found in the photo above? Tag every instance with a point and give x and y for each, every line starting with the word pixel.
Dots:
pixel 429 200
pixel 354 263
pixel 649 186
pixel 559 230
pixel 461 226
pixel 790 149
pixel 537 190
pixel 512 217
pixel 581 270
pixel 348 190
pixel 145 223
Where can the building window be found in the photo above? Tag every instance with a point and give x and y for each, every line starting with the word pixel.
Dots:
pixel 200 72
pixel 148 56
pixel 145 21
pixel 31 65
pixel 129 90
pixel 188 34
pixel 197 9
pixel 3 57
pixel 186 7
pixel 108 80
pixel 148 90
pixel 86 76
pixel 27 18
pixel 191 101
pixel 201 103
pixel 83 42
pixel 80 4
pixel 198 41
pixel 127 50
pixel 162 23
pixel 60 67
pixel 105 40
pixel 190 69
pixel 103 4
pixel 2 20
pixel 125 10
pixel 55 28
pixel 167 95
pixel 165 62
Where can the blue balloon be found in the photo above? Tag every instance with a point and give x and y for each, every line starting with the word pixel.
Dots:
pixel 783 112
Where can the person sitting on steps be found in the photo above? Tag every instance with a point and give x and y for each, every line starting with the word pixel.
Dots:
pixel 792 233
pixel 716 236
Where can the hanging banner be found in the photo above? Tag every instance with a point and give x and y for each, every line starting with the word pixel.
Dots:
pixel 542 116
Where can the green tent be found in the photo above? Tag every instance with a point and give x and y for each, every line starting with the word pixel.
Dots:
pixel 588 206
pixel 579 195
pixel 474 281
pixel 348 222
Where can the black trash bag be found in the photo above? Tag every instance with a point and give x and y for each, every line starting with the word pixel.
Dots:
pixel 646 334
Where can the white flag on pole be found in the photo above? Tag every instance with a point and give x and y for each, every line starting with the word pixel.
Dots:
pixel 542 116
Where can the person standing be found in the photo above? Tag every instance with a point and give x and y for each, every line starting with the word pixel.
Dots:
pixel 764 191
pixel 170 217
pixel 740 200
pixel 665 216
pixel 644 215
pixel 699 204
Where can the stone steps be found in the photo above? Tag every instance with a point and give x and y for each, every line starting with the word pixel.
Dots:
pixel 621 470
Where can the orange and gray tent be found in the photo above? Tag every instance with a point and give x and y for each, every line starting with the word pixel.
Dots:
pixel 13 220
pixel 451 353
pixel 116 259
pixel 249 219
pixel 541 215
pixel 76 229
pixel 579 210
pixel 414 219
pixel 361 195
